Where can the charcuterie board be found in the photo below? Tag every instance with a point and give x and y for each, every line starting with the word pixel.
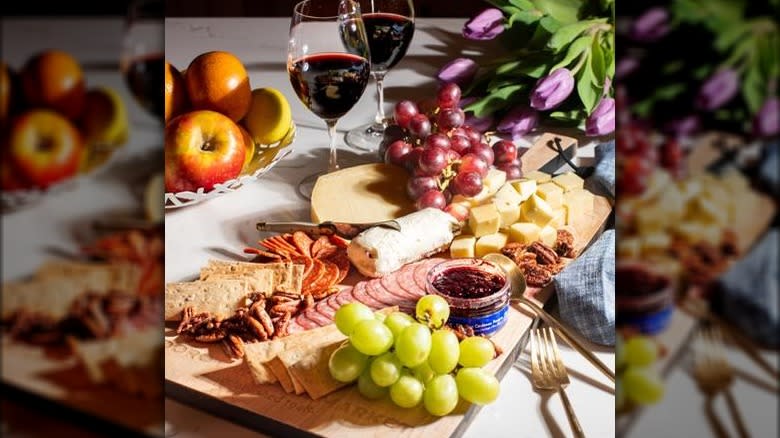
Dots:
pixel 204 376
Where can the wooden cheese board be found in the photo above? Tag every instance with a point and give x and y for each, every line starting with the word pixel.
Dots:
pixel 204 376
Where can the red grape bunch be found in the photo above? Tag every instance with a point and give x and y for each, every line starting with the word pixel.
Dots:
pixel 444 157
pixel 640 153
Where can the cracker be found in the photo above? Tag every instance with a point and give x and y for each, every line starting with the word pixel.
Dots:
pixel 97 276
pixel 287 276
pixel 220 297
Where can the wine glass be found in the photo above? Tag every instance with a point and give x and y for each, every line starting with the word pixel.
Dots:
pixel 142 60
pixel 328 62
pixel 389 28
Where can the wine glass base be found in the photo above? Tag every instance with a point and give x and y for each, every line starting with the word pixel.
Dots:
pixel 366 137
pixel 306 185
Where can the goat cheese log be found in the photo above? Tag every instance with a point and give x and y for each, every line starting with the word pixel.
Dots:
pixel 379 251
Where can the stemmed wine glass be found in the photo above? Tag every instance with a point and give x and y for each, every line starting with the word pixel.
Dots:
pixel 389 28
pixel 328 62
pixel 142 59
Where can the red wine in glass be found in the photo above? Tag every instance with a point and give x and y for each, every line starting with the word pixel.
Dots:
pixel 145 78
pixel 329 84
pixel 389 36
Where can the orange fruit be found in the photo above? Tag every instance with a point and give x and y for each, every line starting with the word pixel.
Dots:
pixel 250 149
pixel 54 79
pixel 218 81
pixel 176 100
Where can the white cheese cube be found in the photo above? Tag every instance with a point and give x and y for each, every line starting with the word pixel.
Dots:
pixel 507 195
pixel 559 218
pixel 548 235
pixel 577 202
pixel 510 213
pixel 525 187
pixel 463 247
pixel 538 176
pixel 494 180
pixel 524 232
pixel 568 181
pixel 551 193
pixel 536 210
pixel 484 220
pixel 492 243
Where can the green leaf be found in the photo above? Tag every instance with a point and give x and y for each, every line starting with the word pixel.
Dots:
pixel 571 115
pixel 730 36
pixel 509 67
pixel 589 94
pixel 568 33
pixel 597 64
pixel 563 11
pixel 753 89
pixel 575 50
pixel 525 17
pixel 550 24
pixel 495 101
pixel 524 5
pixel 768 58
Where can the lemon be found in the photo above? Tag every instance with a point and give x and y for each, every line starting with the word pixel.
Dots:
pixel 154 198
pixel 104 120
pixel 269 116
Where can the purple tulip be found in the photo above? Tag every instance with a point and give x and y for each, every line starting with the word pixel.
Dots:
pixel 460 71
pixel 486 25
pixel 651 26
pixel 552 90
pixel 625 67
pixel 718 90
pixel 519 122
pixel 602 120
pixel 479 124
pixel 767 120
pixel 684 126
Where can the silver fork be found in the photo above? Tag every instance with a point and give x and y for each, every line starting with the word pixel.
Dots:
pixel 549 373
pixel 713 372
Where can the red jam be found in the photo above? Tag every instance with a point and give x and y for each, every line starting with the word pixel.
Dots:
pixel 468 282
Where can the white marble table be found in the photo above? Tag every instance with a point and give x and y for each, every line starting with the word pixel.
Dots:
pixel 195 234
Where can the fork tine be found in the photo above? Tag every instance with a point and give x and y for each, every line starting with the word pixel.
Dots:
pixel 557 355
pixel 550 361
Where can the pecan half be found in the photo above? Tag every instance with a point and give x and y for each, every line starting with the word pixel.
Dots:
pixel 212 336
pixel 186 316
pixel 544 254
pixel 256 328
pixel 234 346
pixel 282 325
pixel 564 244
pixel 264 318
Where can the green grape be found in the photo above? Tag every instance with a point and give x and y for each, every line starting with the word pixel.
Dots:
pixel 385 369
pixel 371 337
pixel 477 385
pixel 433 311
pixel 423 372
pixel 620 352
pixel 407 392
pixel 380 317
pixel 445 351
pixel 368 388
pixel 350 314
pixel 642 385
pixel 346 364
pixel 476 351
pixel 441 395
pixel 640 351
pixel 397 321
pixel 414 345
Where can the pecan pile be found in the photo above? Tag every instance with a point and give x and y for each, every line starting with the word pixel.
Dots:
pixel 702 262
pixel 92 316
pixel 537 261
pixel 260 320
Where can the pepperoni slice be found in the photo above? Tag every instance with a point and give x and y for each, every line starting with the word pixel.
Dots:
pixel 360 294
pixel 375 290
pixel 316 272
pixel 340 259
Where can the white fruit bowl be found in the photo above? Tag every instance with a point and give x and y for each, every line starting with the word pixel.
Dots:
pixel 266 158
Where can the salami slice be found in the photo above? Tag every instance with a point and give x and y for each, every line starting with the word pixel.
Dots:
pixel 360 294
pixel 333 302
pixel 344 297
pixel 324 308
pixel 375 290
pixel 421 272
pixel 405 280
pixel 304 322
pixel 294 326
pixel 391 283
pixel 317 317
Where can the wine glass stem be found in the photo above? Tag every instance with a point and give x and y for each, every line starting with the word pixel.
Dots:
pixel 333 163
pixel 380 98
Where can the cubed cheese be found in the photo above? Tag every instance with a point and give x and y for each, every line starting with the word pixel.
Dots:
pixel 706 210
pixel 538 176
pixel 695 232
pixel 657 242
pixel 577 202
pixel 525 187
pixel 652 219
pixel 507 195
pixel 510 213
pixel 482 197
pixel 548 235
pixel 494 180
pixel 460 199
pixel 463 247
pixel 536 210
pixel 484 220
pixel 552 193
pixel 490 244
pixel 524 232
pixel 629 247
pixel 559 218
pixel 568 181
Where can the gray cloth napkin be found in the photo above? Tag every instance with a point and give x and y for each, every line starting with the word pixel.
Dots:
pixel 586 291
pixel 602 182
pixel 748 294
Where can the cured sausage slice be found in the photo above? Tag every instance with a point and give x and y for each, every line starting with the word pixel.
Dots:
pixel 361 294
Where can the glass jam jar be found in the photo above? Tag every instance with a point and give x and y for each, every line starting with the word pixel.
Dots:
pixel 477 291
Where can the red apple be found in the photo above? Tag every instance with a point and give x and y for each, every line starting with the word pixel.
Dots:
pixel 202 148
pixel 44 147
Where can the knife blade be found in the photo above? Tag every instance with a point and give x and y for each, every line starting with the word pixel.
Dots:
pixel 342 229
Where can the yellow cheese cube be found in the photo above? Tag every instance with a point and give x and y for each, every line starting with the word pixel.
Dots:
pixel 524 232
pixel 510 213
pixel 552 193
pixel 460 199
pixel 494 180
pixel 695 232
pixel 568 181
pixel 577 202
pixel 652 219
pixel 484 220
pixel 657 242
pixel 463 247
pixel 525 187
pixel 559 218
pixel 629 247
pixel 548 235
pixel 705 210
pixel 507 195
pixel 490 244
pixel 536 210
pixel 538 176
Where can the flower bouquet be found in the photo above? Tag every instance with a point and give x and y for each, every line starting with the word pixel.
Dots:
pixel 558 70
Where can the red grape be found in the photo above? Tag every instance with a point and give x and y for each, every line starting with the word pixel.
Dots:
pixel 505 151
pixel 450 118
pixel 448 95
pixel 672 157
pixel 411 159
pixel 417 185
pixel 466 184
pixel 431 199
pixel 512 170
pixel 484 151
pixel 459 131
pixel 432 160
pixel 420 126
pixel 404 111
pixel 396 152
pixel 459 143
pixel 473 163
pixel 439 140
pixel 459 211
pixel 633 175
pixel 473 136
pixel 452 155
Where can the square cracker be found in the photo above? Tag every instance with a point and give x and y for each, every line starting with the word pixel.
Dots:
pixel 97 276
pixel 287 277
pixel 219 297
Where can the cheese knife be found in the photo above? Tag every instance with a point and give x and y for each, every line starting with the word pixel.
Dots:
pixel 342 229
